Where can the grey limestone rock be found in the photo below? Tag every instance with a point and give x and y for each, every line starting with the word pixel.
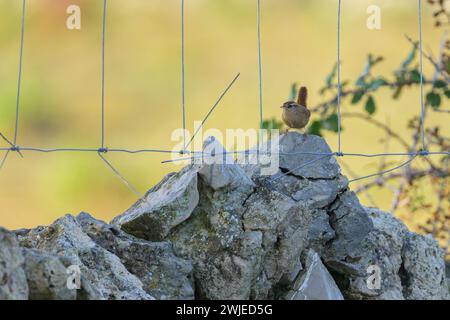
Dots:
pixel 103 276
pixel 46 276
pixel 423 269
pixel 163 275
pixel 13 282
pixel 294 149
pixel 224 230
pixel 164 207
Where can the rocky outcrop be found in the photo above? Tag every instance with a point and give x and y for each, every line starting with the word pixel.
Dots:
pixel 223 231
pixel 112 264
pixel 13 282
pixel 103 275
pixel 163 275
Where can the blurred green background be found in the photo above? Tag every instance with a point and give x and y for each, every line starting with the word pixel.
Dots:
pixel 60 104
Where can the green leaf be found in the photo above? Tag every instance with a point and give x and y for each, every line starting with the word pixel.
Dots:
pixel 409 58
pixel 370 105
pixel 439 84
pixel 293 95
pixel 397 92
pixel 415 76
pixel 344 84
pixel 361 82
pixel 330 77
pixel 315 128
pixel 331 123
pixel 357 97
pixel 434 99
pixel 323 90
pixel 378 59
pixel 447 93
pixel 374 85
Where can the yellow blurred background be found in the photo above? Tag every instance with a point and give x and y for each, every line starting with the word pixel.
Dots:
pixel 60 104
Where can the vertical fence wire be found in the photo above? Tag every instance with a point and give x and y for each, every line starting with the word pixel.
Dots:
pixel 422 106
pixel 19 81
pixel 183 76
pixel 14 147
pixel 339 75
pixel 103 72
pixel 260 66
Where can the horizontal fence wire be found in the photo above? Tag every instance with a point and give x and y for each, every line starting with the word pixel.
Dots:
pixel 380 173
pixel 206 154
pixel 103 150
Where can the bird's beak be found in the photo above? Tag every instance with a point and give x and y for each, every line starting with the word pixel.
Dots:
pixel 282 107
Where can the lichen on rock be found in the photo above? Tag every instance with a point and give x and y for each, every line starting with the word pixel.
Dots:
pixel 219 230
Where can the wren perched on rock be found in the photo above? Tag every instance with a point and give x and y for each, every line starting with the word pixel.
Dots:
pixel 296 114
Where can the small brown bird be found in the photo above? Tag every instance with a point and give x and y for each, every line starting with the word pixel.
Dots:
pixel 296 114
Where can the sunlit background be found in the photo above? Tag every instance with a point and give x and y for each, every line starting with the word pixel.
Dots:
pixel 60 105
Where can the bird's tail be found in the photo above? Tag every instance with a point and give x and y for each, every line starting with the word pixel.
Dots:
pixel 302 96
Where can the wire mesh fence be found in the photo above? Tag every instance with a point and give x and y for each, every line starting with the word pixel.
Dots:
pixel 102 150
